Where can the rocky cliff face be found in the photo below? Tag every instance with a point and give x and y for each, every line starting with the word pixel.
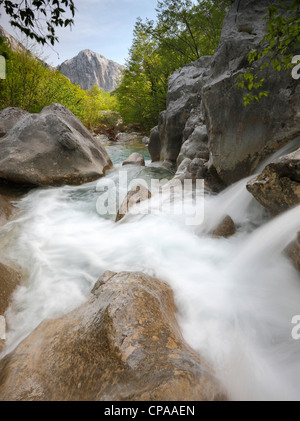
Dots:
pixel 89 68
pixel 13 43
pixel 205 113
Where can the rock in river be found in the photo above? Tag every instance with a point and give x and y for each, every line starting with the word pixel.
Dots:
pixel 51 148
pixel 135 159
pixel 277 188
pixel 124 344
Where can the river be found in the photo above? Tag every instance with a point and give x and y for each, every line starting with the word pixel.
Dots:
pixel 236 297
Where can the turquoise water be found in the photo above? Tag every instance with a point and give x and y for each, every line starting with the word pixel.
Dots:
pixel 119 151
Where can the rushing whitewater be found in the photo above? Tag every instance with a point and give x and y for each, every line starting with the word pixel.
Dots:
pixel 236 297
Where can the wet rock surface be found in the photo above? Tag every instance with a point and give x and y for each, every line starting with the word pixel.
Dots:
pixel 135 159
pixel 136 195
pixel 277 188
pixel 226 228
pixel 123 344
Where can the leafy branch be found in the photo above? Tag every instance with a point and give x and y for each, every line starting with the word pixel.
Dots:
pixel 277 49
pixel 38 19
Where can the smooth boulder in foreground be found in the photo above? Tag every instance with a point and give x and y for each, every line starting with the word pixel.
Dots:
pixel 51 148
pixel 124 344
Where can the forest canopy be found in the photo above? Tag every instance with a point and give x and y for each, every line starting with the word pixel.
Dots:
pixel 31 84
pixel 183 32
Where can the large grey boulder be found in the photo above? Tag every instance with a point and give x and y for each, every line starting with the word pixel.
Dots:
pixel 124 344
pixel 195 138
pixel 183 95
pixel 9 117
pixel 239 138
pixel 51 148
pixel 277 188
pixel 89 69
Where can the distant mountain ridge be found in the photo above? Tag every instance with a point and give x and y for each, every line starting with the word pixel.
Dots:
pixel 89 68
pixel 14 44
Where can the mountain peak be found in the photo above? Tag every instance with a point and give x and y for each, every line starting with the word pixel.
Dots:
pixel 88 69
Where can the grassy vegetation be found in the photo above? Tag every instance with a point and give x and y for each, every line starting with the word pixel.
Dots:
pixel 31 85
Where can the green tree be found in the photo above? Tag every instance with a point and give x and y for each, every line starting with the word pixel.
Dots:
pixel 96 102
pixel 279 46
pixel 31 85
pixel 182 33
pixel 190 30
pixel 38 19
pixel 4 48
pixel 143 89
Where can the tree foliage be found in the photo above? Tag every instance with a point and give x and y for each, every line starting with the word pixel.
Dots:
pixel 38 19
pixel 182 32
pixel 279 46
pixel 31 84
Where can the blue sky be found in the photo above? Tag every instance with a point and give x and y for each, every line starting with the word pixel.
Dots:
pixel 103 26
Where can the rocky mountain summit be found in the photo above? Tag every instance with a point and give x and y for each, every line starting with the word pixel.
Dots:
pixel 89 69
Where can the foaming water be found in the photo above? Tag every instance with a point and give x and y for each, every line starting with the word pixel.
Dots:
pixel 236 297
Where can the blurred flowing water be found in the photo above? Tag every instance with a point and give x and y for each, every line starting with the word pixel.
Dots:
pixel 236 297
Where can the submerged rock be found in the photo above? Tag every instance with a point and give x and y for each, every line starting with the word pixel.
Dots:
pixel 136 195
pixel 226 228
pixel 51 148
pixel 277 188
pixel 135 159
pixel 124 344
pixel 293 251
